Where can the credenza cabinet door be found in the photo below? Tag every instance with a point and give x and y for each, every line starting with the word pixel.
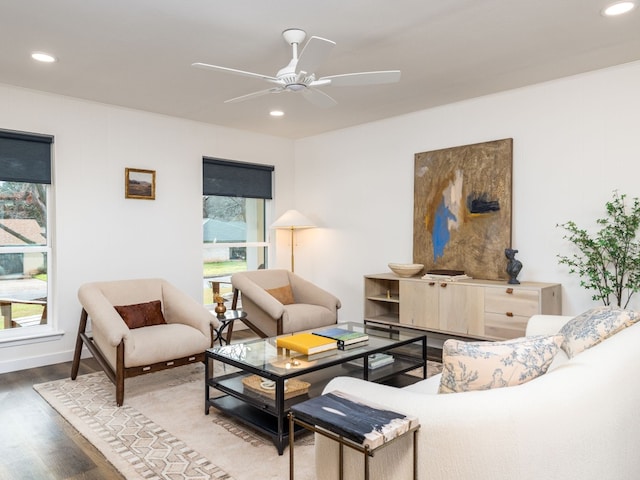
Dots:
pixel 420 305
pixel 461 309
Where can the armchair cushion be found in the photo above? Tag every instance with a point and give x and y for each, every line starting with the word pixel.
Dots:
pixel 141 314
pixel 159 343
pixel 303 316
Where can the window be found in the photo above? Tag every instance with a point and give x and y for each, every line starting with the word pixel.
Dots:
pixel 25 256
pixel 234 201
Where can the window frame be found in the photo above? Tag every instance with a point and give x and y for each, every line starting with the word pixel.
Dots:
pixel 237 179
pixel 27 159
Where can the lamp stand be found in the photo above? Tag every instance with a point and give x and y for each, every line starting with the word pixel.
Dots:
pixel 292 220
pixel 292 264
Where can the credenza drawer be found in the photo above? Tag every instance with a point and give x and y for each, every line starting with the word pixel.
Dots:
pixel 498 325
pixel 511 301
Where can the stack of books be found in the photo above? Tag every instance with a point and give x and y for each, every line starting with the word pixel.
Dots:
pixel 306 343
pixel 446 275
pixel 374 361
pixel 344 338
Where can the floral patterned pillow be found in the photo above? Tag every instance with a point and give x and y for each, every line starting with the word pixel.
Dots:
pixel 593 326
pixel 471 366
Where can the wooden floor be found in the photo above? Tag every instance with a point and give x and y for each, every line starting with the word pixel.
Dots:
pixel 37 443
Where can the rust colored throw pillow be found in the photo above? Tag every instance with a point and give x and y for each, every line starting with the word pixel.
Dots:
pixel 141 314
pixel 283 294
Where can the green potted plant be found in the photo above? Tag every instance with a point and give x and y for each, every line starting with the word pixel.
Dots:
pixel 608 261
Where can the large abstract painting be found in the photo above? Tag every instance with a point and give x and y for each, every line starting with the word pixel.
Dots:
pixel 462 208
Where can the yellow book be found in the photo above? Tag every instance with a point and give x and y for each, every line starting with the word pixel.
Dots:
pixel 306 343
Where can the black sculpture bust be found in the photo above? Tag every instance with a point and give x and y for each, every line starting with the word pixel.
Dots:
pixel 513 266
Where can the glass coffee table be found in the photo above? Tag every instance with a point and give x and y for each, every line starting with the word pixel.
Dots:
pixel 257 382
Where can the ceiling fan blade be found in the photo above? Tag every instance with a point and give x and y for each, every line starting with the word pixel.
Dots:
pixel 363 78
pixel 250 96
pixel 314 53
pixel 318 98
pixel 206 66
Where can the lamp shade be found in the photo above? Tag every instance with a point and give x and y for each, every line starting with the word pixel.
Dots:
pixel 292 219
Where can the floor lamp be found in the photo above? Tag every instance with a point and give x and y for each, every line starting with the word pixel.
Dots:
pixel 292 220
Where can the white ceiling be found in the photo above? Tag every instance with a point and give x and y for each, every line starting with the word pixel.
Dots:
pixel 137 53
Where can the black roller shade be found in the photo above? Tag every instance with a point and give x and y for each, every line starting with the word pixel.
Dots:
pixel 228 178
pixel 25 157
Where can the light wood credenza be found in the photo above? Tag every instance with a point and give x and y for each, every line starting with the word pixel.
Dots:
pixel 484 309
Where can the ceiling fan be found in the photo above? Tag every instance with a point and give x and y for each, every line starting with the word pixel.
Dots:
pixel 299 75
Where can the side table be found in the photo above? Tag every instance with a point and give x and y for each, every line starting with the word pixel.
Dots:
pixel 226 323
pixel 362 431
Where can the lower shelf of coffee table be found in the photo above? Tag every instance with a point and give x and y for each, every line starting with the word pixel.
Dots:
pixel 248 414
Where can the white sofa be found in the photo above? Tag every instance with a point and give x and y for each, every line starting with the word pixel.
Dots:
pixel 578 421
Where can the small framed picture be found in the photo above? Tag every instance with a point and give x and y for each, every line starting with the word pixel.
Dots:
pixel 140 184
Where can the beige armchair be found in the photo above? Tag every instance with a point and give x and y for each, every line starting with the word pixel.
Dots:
pixel 125 352
pixel 278 301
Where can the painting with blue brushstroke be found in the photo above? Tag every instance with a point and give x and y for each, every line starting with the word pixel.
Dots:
pixel 462 208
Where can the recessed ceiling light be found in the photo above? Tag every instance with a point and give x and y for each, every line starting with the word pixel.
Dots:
pixel 276 113
pixel 43 57
pixel 618 8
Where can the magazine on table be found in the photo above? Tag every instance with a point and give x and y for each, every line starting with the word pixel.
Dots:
pixel 343 336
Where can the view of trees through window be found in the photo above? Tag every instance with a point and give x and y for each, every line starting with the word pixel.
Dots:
pixel 23 254
pixel 234 240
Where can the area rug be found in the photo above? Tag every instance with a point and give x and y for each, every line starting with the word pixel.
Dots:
pixel 161 431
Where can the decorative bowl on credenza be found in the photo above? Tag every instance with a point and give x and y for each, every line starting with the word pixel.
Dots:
pixel 406 269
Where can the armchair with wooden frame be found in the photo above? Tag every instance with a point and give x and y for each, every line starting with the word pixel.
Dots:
pixel 279 301
pixel 125 352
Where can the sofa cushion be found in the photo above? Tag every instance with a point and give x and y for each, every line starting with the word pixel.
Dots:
pixel 593 326
pixel 283 294
pixel 142 314
pixel 471 366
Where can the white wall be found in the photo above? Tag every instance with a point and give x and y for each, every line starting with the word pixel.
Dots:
pixel 575 141
pixel 100 235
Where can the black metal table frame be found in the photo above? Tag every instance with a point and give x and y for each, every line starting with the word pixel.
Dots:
pixel 342 442
pixel 226 324
pixel 281 432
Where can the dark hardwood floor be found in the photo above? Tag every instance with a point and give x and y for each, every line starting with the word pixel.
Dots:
pixel 37 443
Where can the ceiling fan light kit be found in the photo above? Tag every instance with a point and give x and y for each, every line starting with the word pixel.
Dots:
pixel 299 74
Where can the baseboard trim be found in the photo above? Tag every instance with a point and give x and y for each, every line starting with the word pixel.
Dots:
pixel 40 361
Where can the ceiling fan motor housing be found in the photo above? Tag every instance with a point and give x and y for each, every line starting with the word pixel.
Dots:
pixel 294 36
